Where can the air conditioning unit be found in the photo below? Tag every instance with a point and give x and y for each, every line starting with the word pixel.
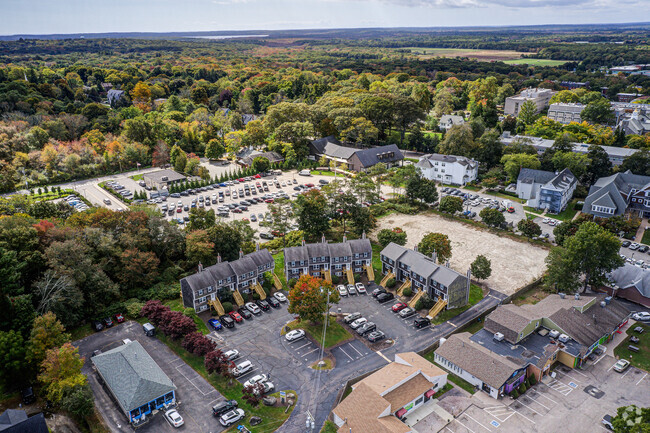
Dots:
pixel 562 295
pixel 563 338
pixel 554 334
pixel 165 178
pixel 498 336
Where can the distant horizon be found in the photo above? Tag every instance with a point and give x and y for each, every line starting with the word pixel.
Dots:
pixel 72 17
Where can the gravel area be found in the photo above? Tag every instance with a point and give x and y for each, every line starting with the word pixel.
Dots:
pixel 514 264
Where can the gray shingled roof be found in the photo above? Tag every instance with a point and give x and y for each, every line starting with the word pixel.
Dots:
pixel 157 176
pixel 632 276
pixel 319 249
pixel 295 254
pixel 528 175
pixel 508 320
pixel 210 275
pixel 393 251
pixel 421 264
pixel 319 144
pixel 261 257
pixel 616 188
pixel 563 180
pixel 360 246
pixel 341 250
pixel 243 266
pixel 132 375
pixel 370 157
pixel 16 421
pixel 451 159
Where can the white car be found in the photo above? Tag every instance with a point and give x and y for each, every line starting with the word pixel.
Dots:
pixel 351 289
pixel 231 417
pixel 257 378
pixel 268 387
pixel 634 246
pixel 232 354
pixel 174 418
pixel 253 308
pixel 358 322
pixel 642 316
pixel 294 335
pixel 280 296
pixel 342 290
pixel 361 288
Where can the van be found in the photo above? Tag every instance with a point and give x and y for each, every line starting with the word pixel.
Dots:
pixel 304 173
pixel 148 329
pixel 242 368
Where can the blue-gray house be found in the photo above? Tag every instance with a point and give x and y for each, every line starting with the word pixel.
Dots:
pixel 136 382
pixel 545 189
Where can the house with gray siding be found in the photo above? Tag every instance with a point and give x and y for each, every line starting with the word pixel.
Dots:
pixel 545 189
pixel 617 194
pixel 352 158
pixel 438 281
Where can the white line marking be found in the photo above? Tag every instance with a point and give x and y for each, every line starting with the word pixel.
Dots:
pixel 311 351
pixel 581 374
pixel 624 374
pixel 346 353
pixel 477 422
pixel 539 403
pixel 450 430
pixel 611 367
pixel 529 407
pixel 642 378
pixel 457 420
pixel 601 357
pixel 304 345
pixel 355 349
pixel 525 416
pixel 548 398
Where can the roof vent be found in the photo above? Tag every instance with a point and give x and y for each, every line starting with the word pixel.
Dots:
pixel 498 336
pixel 577 296
pixel 554 333
pixel 562 295
pixel 563 338
pixel 165 178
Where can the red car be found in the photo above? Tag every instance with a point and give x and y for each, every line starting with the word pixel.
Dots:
pixel 268 200
pixel 119 318
pixel 241 180
pixel 276 233
pixel 399 307
pixel 257 176
pixel 309 185
pixel 179 209
pixel 236 210
pixel 235 316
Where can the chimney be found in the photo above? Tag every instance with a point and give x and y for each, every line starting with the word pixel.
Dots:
pixel 415 248
pixel 322 239
pixel 241 253
pixel 257 247
pixel 447 264
pixel 219 258
pixel 434 256
pixel 345 238
pixel 303 242
pixel 200 267
pixel 363 235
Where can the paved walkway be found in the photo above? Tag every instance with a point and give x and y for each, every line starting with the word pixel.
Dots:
pixel 641 230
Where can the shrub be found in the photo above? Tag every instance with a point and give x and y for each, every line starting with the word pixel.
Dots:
pixel 335 279
pixel 133 307
pixel 227 307
pixel 292 282
pixel 391 283
pixel 532 380
pixel 154 310
pixel 407 292
pixel 197 344
pixel 162 291
pixel 267 290
pixel 175 324
pixel 256 296
pixel 523 388
pixel 514 394
pixel 419 304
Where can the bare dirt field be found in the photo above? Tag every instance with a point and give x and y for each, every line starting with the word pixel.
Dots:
pixel 482 55
pixel 514 264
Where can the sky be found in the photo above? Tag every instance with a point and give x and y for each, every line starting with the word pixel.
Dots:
pixel 99 16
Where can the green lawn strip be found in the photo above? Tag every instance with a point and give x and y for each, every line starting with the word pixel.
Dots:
pixel 177 305
pixel 474 327
pixel 642 358
pixel 327 173
pixel 535 62
pixel 475 295
pixel 272 417
pixel 329 427
pixel 80 332
pixel 462 383
pixel 506 197
pixel 137 177
pixel 335 332
pixel 472 188
pixel 646 237
pixel 376 261
pixel 279 268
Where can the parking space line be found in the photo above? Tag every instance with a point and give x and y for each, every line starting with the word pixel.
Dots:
pixel 304 345
pixel 601 357
pixel 346 353
pixel 355 349
pixel 642 378
pixel 542 395
pixel 311 351
pixel 625 374
pixel 246 374
pixel 539 403
pixel 465 426
pixel 611 366
pixel 450 430
pixel 529 407
pixel 581 374
pixel 477 422
pixel 524 416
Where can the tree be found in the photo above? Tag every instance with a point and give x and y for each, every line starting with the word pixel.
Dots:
pixel 253 394
pixel 459 140
pixel 199 247
pixel 154 310
pixel 214 149
pixel 599 111
pixel 450 204
pixel 141 96
pixel 175 324
pixel 577 163
pixel 492 217
pixel 514 162
pixel 438 243
pixel 599 165
pixel 201 219
pixel 481 267
pixel 564 230
pixel 527 113
pixel 198 344
pixel 420 188
pixel 490 149
pixel 281 218
pixel 637 163
pixel 362 219
pixel 395 235
pixel 12 356
pixel 261 164
pixel 61 371
pixel 578 259
pixel 180 162
pixel 139 268
pixel 529 228
pixel 160 154
pixel 308 298
pixel 47 333
pixel 632 419
pixel 406 111
pixel 217 362
pixel 79 401
pixel 311 210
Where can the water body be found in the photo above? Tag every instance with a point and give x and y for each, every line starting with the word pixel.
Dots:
pixel 226 36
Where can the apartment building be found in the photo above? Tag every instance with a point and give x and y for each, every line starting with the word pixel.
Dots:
pixel 541 98
pixel 545 189
pixel 565 113
pixel 449 169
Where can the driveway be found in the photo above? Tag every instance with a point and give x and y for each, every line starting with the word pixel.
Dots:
pixel 195 394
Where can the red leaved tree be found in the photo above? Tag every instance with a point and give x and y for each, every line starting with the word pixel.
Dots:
pixel 198 344
pixel 217 362
pixel 154 311
pixel 253 393
pixel 175 324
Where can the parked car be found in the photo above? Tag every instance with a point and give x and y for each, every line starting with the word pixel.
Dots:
pixel 253 308
pixel 641 316
pixel 268 387
pixel 366 327
pixel 421 322
pixel 385 297
pixel 108 322
pixel 280 296
pixel 242 368
pixel 97 325
pixel 245 313
pixel 643 248
pixel 257 378
pixel 352 290
pixel 352 317
pixel 621 365
pixel 360 321
pixel 231 417
pixel 377 292
pixel 215 324
pixel 406 312
pixel 236 316
pixel 375 336
pixel 174 418
pixel 263 304
pixel 634 246
pixel 232 354
pixel 227 321
pixel 607 422
pixel 273 302
pixel 342 290
pixel 296 334
pixel 398 307
pixel 27 395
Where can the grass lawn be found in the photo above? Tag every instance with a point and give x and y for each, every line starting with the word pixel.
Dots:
pixel 646 237
pixel 80 332
pixel 531 296
pixel 414 160
pixel 334 335
pixel 376 262
pixel 177 305
pixel 507 197
pixel 327 366
pixel 474 327
pixel 279 264
pixel 475 295
pixel 462 383
pixel 566 215
pixel 136 177
pixel 273 416
pixel 472 188
pixel 535 62
pixel 642 359
pixel 329 427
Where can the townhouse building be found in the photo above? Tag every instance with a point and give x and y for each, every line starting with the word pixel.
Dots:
pixel 449 169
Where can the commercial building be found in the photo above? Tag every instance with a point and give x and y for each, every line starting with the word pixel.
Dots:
pixel 322 259
pixel 354 159
pixel 540 97
pixel 272 157
pixel 635 122
pixel 627 97
pixel 136 382
pixel 517 342
pixel 209 286
pixel 162 179
pixel 17 421
pixel 614 195
pixel 565 113
pixel 630 282
pixel 449 120
pixel 616 154
pixel 380 402
pixel 449 169
pixel 545 189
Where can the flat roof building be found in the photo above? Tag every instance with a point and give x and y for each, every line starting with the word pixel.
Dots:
pixel 540 97
pixel 162 179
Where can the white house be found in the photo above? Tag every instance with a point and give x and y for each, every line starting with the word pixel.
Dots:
pixel 449 120
pixel 540 97
pixel 449 169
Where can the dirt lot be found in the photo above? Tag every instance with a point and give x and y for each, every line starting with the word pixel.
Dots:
pixel 514 264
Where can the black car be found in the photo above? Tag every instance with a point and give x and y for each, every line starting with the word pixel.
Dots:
pixel 366 327
pixel 223 407
pixel 266 235
pixel 97 325
pixel 263 304
pixel 421 322
pixel 227 321
pixel 625 244
pixel 245 313
pixel 385 297
pixel 27 395
pixel 377 292
pixel 375 336
pixel 643 248
pixel 108 322
pixel 274 302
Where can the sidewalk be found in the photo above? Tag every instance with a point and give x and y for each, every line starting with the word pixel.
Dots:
pixel 619 338
pixel 641 230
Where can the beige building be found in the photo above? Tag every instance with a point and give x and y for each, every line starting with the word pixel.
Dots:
pixel 541 98
pixel 379 402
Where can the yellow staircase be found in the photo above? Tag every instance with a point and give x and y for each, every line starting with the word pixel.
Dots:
pixel 328 275
pixel 433 312
pixel 387 277
pixel 276 282
pixel 216 304
pixel 350 276
pixel 404 285
pixel 260 291
pixel 238 299
pixel 415 298
pixel 370 272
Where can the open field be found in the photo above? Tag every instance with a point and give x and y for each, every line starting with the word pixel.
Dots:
pixel 484 55
pixel 514 264
pixel 535 62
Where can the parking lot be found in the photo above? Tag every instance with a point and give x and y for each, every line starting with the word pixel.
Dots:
pixel 475 202
pixel 195 394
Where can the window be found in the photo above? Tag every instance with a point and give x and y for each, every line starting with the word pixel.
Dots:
pixel 200 292
pixel 209 289
pixel 293 264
